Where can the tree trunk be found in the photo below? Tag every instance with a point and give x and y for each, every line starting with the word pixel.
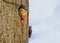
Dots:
pixel 12 30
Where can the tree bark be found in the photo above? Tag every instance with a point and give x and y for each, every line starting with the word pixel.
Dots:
pixel 12 30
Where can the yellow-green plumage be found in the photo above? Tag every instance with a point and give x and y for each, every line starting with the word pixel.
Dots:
pixel 22 11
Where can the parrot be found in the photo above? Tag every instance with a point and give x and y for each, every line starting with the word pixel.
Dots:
pixel 22 13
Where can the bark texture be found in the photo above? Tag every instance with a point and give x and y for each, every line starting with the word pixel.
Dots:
pixel 12 30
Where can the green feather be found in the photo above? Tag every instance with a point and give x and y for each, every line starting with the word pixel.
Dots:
pixel 22 11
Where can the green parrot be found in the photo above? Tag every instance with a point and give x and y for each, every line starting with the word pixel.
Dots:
pixel 21 11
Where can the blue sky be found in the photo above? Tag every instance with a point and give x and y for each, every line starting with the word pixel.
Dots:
pixel 44 17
